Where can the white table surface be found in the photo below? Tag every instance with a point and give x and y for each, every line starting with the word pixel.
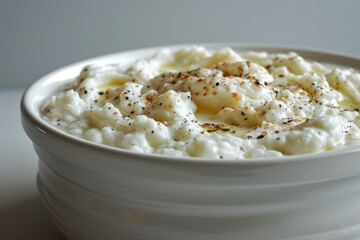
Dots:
pixel 21 214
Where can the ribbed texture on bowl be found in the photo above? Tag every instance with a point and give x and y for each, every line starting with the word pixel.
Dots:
pixel 93 205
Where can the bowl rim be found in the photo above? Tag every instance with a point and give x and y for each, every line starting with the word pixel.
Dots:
pixel 52 131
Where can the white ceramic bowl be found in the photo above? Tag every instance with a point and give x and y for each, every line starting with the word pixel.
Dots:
pixel 99 192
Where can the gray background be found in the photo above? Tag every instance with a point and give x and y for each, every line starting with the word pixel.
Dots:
pixel 38 36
